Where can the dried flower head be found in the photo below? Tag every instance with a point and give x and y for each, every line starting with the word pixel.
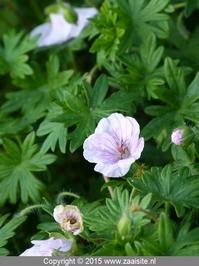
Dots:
pixel 69 217
pixel 115 145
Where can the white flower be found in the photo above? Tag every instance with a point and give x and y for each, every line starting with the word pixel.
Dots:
pixel 115 145
pixel 48 247
pixel 58 30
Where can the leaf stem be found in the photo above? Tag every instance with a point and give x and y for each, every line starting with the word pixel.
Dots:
pixel 29 208
pixel 90 3
pixel 64 194
pixel 136 208
pixel 132 193
pixel 91 73
pixel 179 5
pixel 106 179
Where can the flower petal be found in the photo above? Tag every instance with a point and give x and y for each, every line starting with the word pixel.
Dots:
pixel 111 170
pixel 82 21
pixel 100 148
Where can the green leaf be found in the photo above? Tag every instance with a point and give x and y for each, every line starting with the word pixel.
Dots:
pixel 83 129
pixel 105 218
pixel 57 79
pixel 12 54
pixel 7 231
pixel 16 169
pixel 192 92
pixel 144 70
pixel 175 77
pixel 151 56
pixel 176 188
pixel 165 233
pixel 100 90
pixel 181 105
pixel 56 132
pixel 189 8
pixel 74 104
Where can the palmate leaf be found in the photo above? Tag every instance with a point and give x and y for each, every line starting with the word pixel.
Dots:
pixel 104 218
pixel 110 32
pixel 16 170
pixel 177 188
pixel 13 56
pixel 142 17
pixel 143 70
pixel 85 112
pixel 56 131
pixel 186 242
pixel 181 104
pixel 7 231
pixel 37 91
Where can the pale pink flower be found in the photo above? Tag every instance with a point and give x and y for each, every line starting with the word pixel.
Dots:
pixel 176 137
pixel 58 30
pixel 114 146
pixel 48 247
pixel 69 217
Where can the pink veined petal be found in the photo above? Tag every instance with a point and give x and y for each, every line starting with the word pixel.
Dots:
pixel 100 148
pixel 111 170
pixel 136 153
pixel 121 128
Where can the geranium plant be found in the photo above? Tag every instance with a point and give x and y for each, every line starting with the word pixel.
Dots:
pixel 99 128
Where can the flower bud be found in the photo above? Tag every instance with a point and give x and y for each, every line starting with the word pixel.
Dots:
pixel 176 137
pixel 124 226
pixel 183 136
pixel 69 14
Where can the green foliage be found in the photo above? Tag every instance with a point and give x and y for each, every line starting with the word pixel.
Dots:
pixel 13 56
pixel 57 131
pixel 7 231
pixel 88 106
pixel 136 57
pixel 185 243
pixel 177 188
pixel 181 104
pixel 110 31
pixel 38 91
pixel 144 71
pixel 17 167
pixel 106 217
pixel 118 26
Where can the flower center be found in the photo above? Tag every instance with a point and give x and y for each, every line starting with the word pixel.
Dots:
pixel 124 151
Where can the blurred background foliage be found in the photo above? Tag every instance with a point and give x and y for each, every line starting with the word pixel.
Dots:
pixel 70 171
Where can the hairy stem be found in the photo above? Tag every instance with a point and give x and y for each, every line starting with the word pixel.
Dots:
pixel 106 179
